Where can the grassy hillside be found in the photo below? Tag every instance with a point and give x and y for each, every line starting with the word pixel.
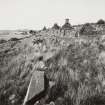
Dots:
pixel 79 74
pixel 76 64
pixel 17 60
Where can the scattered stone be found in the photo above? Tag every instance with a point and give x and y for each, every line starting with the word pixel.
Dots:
pixel 51 103
pixel 12 97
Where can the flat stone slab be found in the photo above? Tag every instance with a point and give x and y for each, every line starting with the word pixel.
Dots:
pixel 36 85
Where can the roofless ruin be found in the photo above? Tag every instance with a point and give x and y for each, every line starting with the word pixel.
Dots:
pixel 66 26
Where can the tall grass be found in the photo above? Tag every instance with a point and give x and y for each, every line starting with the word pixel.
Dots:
pixel 15 73
pixel 76 71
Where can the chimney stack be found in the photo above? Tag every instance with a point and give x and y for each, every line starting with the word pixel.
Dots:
pixel 67 21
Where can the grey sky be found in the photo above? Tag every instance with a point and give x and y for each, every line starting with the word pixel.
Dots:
pixel 34 14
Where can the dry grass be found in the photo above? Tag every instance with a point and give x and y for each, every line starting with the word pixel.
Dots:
pixel 15 73
pixel 76 71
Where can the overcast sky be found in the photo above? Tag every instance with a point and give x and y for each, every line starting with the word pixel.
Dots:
pixel 34 14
